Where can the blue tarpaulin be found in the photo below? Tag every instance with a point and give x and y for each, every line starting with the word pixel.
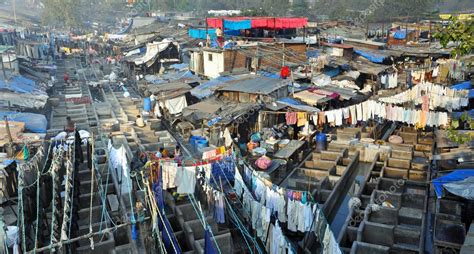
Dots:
pixel 462 86
pixel 268 74
pixel 18 84
pixel 331 72
pixel 201 33
pixel 455 176
pixel 374 58
pixel 400 35
pixel 237 25
pixel 312 53
pixel 33 122
pixel 457 115
pixel 205 89
pixel 291 101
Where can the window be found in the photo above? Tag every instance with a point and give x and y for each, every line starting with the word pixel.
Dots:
pixel 209 57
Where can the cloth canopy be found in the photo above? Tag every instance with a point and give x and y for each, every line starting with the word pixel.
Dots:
pixel 455 176
pixel 257 22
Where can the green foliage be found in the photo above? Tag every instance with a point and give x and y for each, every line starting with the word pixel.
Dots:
pixel 63 13
pixel 458 137
pixel 459 32
pixel 254 12
pixel 300 8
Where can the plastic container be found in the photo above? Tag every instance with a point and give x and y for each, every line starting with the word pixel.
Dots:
pixel 195 139
pixel 200 144
pixel 321 142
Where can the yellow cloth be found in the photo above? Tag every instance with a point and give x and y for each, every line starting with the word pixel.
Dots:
pixel 302 119
pixel 221 150
pixel 423 119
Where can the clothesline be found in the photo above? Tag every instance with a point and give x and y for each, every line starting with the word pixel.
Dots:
pixel 437 96
pixel 274 186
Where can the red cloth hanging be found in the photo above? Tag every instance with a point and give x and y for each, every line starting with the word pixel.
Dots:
pixel 285 72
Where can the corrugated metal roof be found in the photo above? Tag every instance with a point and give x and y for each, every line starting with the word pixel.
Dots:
pixel 256 85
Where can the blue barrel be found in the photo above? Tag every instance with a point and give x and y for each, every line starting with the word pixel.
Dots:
pixel 147 104
pixel 202 144
pixel 321 142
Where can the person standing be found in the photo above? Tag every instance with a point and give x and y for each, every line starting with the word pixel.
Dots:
pixel 70 125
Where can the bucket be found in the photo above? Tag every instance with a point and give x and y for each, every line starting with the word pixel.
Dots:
pixel 321 142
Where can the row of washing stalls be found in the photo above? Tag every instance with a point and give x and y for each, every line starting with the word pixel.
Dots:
pixel 7 37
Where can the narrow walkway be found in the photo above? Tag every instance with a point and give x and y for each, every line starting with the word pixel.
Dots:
pixel 338 216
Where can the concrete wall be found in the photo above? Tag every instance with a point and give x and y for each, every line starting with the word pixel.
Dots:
pixel 213 64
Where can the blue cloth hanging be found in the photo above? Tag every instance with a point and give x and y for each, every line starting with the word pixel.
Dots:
pixel 237 25
pixel 208 245
pixel 158 192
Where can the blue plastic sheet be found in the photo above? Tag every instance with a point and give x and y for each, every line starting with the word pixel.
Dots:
pixel 237 24
pixel 462 86
pixel 312 53
pixel 268 74
pixel 232 32
pixel 35 123
pixel 374 58
pixel 457 115
pixel 201 33
pixel 18 84
pixel 455 176
pixel 331 72
pixel 400 35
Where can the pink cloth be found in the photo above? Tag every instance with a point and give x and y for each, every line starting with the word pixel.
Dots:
pixel 291 118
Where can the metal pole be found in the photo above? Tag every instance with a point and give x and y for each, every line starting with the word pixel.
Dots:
pixel 304 34
pixel 14 10
pixel 3 69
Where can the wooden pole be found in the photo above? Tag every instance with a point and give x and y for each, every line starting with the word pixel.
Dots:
pixel 429 35
pixel 366 30
pixel 406 32
pixel 3 69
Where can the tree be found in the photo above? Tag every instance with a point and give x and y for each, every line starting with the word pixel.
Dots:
pixel 299 8
pixel 461 33
pixel 63 13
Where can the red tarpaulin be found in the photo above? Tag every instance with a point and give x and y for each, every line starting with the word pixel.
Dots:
pixel 262 22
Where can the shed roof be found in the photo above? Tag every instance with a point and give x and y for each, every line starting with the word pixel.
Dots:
pixel 256 85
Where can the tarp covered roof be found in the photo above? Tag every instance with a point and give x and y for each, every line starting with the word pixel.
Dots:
pixel 33 122
pixel 206 89
pixel 292 103
pixel 373 57
pixel 19 84
pixel 455 176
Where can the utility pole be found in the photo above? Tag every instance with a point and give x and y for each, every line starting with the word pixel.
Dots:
pixel 14 10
